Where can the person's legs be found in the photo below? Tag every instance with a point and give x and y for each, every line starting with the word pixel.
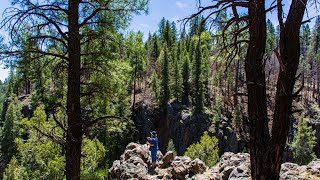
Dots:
pixel 154 159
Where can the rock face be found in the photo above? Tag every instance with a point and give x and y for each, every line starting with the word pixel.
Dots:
pixel 177 124
pixel 183 128
pixel 135 162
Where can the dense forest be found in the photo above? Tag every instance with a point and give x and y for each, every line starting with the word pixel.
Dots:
pixel 81 87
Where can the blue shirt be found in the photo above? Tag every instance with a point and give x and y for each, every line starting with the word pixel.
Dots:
pixel 154 141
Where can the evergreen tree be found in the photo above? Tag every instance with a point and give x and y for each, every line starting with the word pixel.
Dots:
pixel 197 25
pixel 197 80
pixel 205 71
pixel 11 83
pixel 303 142
pixel 185 78
pixel 176 75
pixel 155 47
pixel 174 31
pixel 271 38
pixel 171 147
pixel 155 85
pixel 162 25
pixel 165 91
pixel 10 130
pixel 168 35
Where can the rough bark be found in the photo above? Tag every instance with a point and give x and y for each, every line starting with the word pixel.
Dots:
pixel 256 85
pixel 74 131
pixel 290 55
pixel 266 150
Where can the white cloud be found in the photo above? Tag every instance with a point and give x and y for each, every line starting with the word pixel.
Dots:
pixel 181 5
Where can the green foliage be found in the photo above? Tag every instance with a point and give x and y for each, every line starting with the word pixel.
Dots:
pixel 165 91
pixel 197 26
pixel 10 129
pixel 185 76
pixel 155 47
pixel 271 38
pixel 171 147
pixel 41 157
pixel 155 85
pixel 205 70
pixel 14 171
pixel 168 35
pixel 93 151
pixel 197 80
pixel 303 142
pixel 176 74
pixel 207 150
pixel 136 54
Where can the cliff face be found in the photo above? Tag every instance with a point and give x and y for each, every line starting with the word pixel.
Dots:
pixel 184 129
pixel 135 164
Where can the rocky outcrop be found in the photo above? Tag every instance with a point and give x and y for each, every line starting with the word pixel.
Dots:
pixel 188 129
pixel 237 166
pixel 135 163
pixel 176 123
pixel 184 128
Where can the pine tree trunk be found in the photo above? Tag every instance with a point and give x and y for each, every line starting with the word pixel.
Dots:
pixel 256 85
pixel 290 55
pixel 74 131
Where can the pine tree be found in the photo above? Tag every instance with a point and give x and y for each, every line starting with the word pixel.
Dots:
pixel 176 84
pixel 197 80
pixel 185 78
pixel 168 35
pixel 171 147
pixel 155 85
pixel 303 142
pixel 205 71
pixel 10 130
pixel 165 91
pixel 155 48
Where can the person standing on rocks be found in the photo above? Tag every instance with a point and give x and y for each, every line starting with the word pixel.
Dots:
pixel 153 142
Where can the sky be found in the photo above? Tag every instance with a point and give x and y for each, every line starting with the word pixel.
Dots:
pixel 172 10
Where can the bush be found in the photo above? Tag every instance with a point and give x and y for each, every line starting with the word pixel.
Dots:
pixel 206 150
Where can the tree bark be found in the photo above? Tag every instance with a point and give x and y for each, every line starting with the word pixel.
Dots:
pixel 74 131
pixel 256 84
pixel 290 55
pixel 265 150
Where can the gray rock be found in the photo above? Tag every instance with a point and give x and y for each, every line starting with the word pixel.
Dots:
pixel 198 166
pixel 167 159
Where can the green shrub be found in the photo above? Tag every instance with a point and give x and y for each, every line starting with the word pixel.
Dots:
pixel 303 142
pixel 206 150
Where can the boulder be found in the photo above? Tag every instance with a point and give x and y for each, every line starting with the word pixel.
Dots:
pixel 180 166
pixel 197 166
pixel 167 159
pixel 135 164
pixel 314 167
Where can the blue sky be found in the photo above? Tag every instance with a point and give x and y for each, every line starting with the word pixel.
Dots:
pixel 172 10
